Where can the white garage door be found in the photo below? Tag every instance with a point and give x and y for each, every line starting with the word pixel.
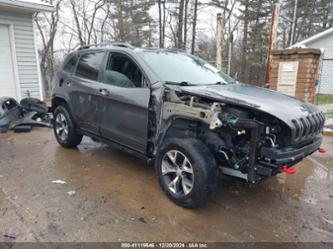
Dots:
pixel 7 79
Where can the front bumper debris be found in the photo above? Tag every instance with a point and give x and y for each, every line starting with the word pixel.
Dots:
pixel 290 154
pixel 275 160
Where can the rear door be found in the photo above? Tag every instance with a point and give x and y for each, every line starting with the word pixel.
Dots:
pixel 84 90
pixel 124 98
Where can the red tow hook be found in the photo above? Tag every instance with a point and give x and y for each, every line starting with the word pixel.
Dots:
pixel 322 150
pixel 288 171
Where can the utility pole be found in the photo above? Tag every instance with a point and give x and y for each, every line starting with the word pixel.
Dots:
pixel 293 29
pixel 219 42
pixel 272 38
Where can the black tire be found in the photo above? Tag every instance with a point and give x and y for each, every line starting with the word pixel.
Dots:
pixel 204 168
pixel 73 137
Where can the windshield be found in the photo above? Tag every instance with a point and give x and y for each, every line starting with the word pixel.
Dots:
pixel 185 69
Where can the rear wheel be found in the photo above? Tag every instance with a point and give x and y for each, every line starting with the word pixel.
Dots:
pixel 64 128
pixel 187 171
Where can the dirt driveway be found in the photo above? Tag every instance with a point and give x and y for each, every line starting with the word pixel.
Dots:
pixel 117 198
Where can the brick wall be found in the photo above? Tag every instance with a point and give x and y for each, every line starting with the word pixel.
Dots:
pixel 308 60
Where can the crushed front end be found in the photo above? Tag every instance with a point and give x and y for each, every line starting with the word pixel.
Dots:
pixel 263 146
pixel 247 142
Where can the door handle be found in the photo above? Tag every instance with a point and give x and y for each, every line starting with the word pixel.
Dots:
pixel 61 82
pixel 68 83
pixel 104 92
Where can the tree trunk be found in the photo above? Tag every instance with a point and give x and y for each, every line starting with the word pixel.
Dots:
pixel 164 24
pixel 194 28
pixel 185 25
pixel 77 23
pixel 180 24
pixel 120 24
pixel 244 44
pixel 160 22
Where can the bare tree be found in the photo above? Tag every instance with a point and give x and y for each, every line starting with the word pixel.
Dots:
pixel 85 19
pixel 161 35
pixel 77 22
pixel 185 24
pixel 180 26
pixel 194 27
pixel 244 42
pixel 98 5
pixel 104 21
pixel 47 25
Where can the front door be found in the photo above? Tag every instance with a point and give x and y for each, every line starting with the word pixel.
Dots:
pixel 124 98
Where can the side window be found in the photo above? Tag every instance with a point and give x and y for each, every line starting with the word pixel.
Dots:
pixel 122 71
pixel 71 63
pixel 89 65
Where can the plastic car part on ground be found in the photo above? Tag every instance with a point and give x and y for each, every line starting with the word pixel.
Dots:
pixel 22 117
pixel 22 128
pixel 34 119
pixel 9 112
pixel 34 105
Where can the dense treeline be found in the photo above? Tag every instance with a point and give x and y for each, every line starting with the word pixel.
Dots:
pixel 179 23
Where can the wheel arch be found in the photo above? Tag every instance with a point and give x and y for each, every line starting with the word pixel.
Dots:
pixel 59 100
pixel 178 126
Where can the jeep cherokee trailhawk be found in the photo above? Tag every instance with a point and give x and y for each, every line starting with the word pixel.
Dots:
pixel 183 116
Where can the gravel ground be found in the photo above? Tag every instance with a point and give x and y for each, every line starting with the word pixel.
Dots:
pixel 99 194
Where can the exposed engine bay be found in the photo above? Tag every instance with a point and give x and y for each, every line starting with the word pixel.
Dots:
pixel 247 143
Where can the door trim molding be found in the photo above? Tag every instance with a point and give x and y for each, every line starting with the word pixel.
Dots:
pixel 14 58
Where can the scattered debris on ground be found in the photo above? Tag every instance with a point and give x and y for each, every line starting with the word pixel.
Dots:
pixel 24 116
pixel 59 182
pixel 71 193
pixel 10 236
pixel 141 219
pixel 9 112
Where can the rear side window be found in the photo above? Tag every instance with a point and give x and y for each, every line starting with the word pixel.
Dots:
pixel 89 65
pixel 70 65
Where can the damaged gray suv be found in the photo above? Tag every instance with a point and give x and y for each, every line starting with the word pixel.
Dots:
pixel 178 112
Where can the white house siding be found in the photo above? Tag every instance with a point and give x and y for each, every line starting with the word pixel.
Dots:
pixel 27 70
pixel 326 85
pixel 326 42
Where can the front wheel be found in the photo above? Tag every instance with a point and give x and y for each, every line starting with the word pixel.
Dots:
pixel 64 128
pixel 187 171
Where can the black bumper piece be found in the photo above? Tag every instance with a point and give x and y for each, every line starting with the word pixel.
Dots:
pixel 291 154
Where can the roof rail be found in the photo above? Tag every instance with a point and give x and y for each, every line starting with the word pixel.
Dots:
pixel 175 49
pixel 114 44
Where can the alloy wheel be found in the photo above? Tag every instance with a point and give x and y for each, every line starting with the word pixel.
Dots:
pixel 61 126
pixel 177 172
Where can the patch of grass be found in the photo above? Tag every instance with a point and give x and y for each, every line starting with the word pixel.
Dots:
pixel 322 99
pixel 329 114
